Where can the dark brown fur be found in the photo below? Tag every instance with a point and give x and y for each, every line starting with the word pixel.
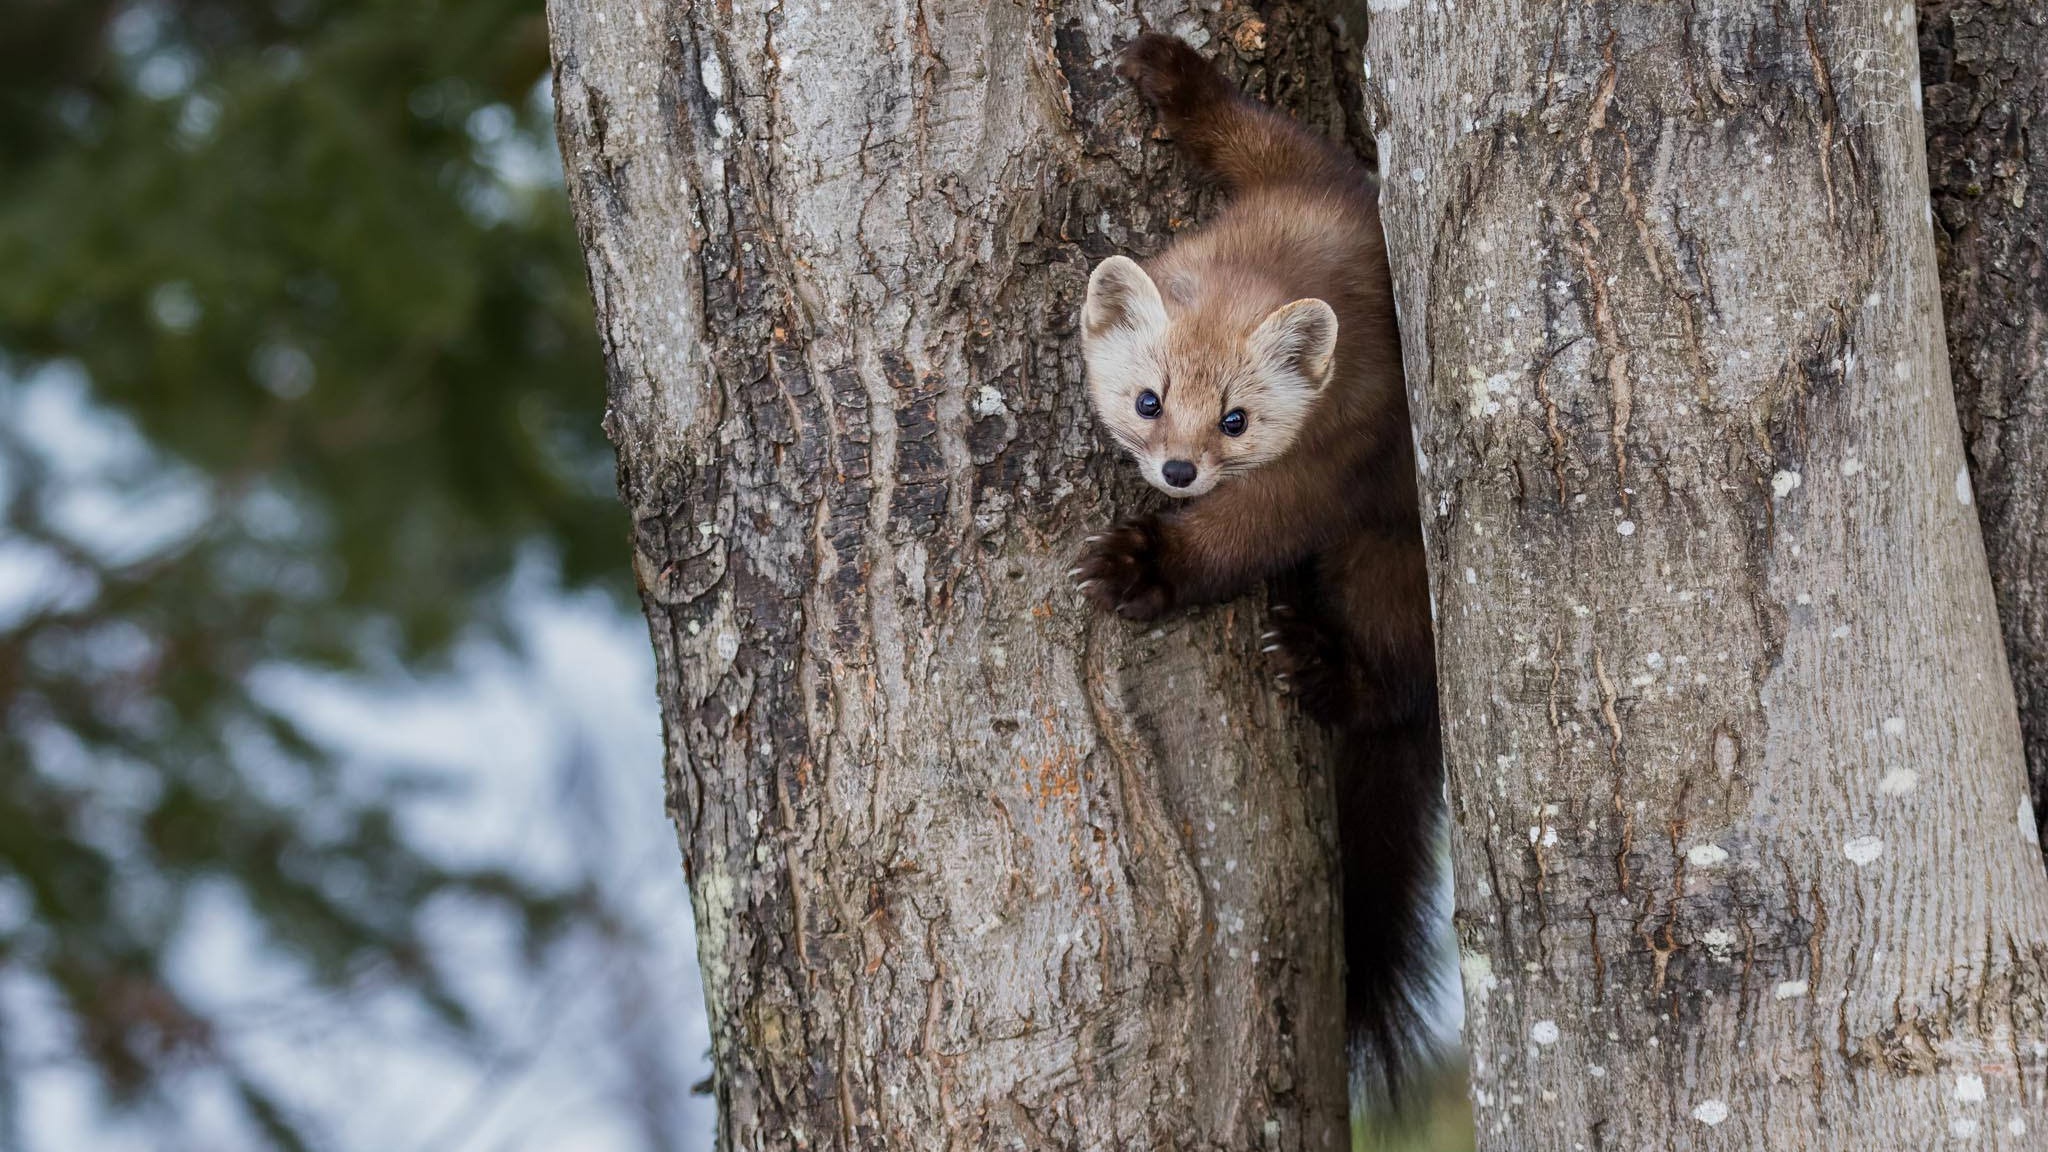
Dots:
pixel 1332 521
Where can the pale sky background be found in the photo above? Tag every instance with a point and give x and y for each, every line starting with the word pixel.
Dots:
pixel 552 754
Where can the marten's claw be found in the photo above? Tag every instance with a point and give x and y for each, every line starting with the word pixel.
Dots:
pixel 1309 664
pixel 1120 572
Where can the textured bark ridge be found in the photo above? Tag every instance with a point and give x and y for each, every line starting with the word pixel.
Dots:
pixel 1985 67
pixel 1744 857
pixel 973 868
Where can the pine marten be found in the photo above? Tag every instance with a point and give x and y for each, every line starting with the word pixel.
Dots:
pixel 1254 372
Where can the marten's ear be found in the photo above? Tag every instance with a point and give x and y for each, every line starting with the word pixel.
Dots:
pixel 1121 298
pixel 1298 338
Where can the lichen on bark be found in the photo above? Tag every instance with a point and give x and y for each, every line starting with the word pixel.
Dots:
pixel 1737 786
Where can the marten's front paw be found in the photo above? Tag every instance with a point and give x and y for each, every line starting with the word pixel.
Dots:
pixel 1291 644
pixel 1306 662
pixel 1119 570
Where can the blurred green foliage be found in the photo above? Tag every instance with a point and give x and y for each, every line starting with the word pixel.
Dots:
pixel 312 258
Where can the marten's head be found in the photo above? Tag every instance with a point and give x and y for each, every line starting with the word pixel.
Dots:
pixel 1207 391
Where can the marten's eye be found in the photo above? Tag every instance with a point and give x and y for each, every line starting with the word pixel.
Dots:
pixel 1148 404
pixel 1234 422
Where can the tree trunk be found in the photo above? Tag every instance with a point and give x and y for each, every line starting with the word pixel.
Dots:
pixel 973 868
pixel 1743 852
pixel 1985 67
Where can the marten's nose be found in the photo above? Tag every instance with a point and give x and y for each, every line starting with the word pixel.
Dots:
pixel 1179 473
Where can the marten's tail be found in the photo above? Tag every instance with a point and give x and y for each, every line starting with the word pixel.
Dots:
pixel 1389 796
pixel 1241 140
pixel 1389 776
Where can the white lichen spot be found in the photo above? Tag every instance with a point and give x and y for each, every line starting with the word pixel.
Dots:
pixel 1710 1112
pixel 1596 1071
pixel 1789 990
pixel 1862 850
pixel 1970 1088
pixel 1851 466
pixel 1898 782
pixel 1718 942
pixel 2017 1126
pixel 989 402
pixel 1962 1127
pixel 1840 632
pixel 728 644
pixel 1471 577
pixel 2029 830
pixel 1963 495
pixel 1626 527
pixel 1894 725
pixel 1477 972
pixel 1706 855
pixel 1544 1032
pixel 1783 482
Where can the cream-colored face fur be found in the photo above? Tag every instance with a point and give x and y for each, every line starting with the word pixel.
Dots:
pixel 1273 373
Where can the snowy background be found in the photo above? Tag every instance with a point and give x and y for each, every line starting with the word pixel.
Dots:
pixel 546 758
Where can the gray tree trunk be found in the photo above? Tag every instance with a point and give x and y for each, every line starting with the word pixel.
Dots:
pixel 1744 858
pixel 973 868
pixel 1985 67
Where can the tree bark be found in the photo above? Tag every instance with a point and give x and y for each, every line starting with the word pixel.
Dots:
pixel 1985 67
pixel 973 868
pixel 1744 857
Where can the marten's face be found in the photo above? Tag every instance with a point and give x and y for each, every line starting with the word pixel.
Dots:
pixel 1195 406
